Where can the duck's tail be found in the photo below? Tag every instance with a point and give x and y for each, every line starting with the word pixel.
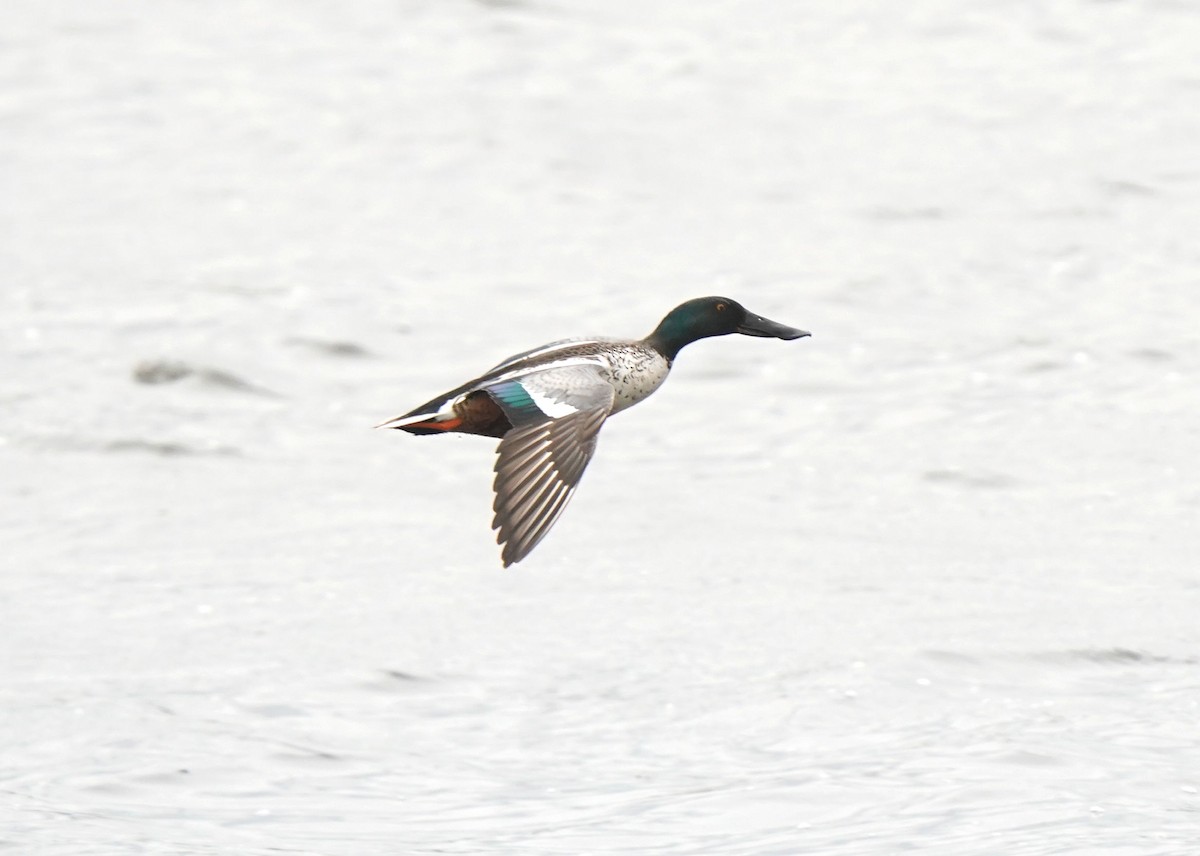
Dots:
pixel 423 423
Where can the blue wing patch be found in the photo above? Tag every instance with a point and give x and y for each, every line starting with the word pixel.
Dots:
pixel 515 401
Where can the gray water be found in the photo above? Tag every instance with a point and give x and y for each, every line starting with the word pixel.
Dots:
pixel 926 582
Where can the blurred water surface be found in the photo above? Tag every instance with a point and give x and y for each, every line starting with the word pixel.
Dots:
pixel 927 581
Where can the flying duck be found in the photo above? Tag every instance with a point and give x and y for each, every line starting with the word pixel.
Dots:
pixel 546 406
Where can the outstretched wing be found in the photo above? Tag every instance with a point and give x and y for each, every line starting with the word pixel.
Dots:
pixel 556 414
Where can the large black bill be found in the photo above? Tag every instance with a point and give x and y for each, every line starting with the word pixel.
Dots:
pixel 756 325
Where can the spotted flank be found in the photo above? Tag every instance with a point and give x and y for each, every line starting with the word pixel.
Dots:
pixel 547 405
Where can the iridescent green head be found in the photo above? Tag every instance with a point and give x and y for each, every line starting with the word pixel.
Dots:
pixel 712 316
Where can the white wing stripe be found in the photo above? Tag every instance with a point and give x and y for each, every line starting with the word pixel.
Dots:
pixel 563 363
pixel 550 406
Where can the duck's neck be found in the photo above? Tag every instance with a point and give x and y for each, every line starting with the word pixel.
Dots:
pixel 669 337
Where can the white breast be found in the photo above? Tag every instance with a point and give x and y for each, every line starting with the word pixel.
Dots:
pixel 634 371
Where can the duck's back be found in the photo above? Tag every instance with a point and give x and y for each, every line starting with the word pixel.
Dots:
pixel 562 349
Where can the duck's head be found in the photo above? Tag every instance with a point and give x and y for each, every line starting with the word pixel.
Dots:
pixel 713 316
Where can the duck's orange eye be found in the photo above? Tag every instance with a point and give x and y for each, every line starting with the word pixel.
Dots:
pixel 720 307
